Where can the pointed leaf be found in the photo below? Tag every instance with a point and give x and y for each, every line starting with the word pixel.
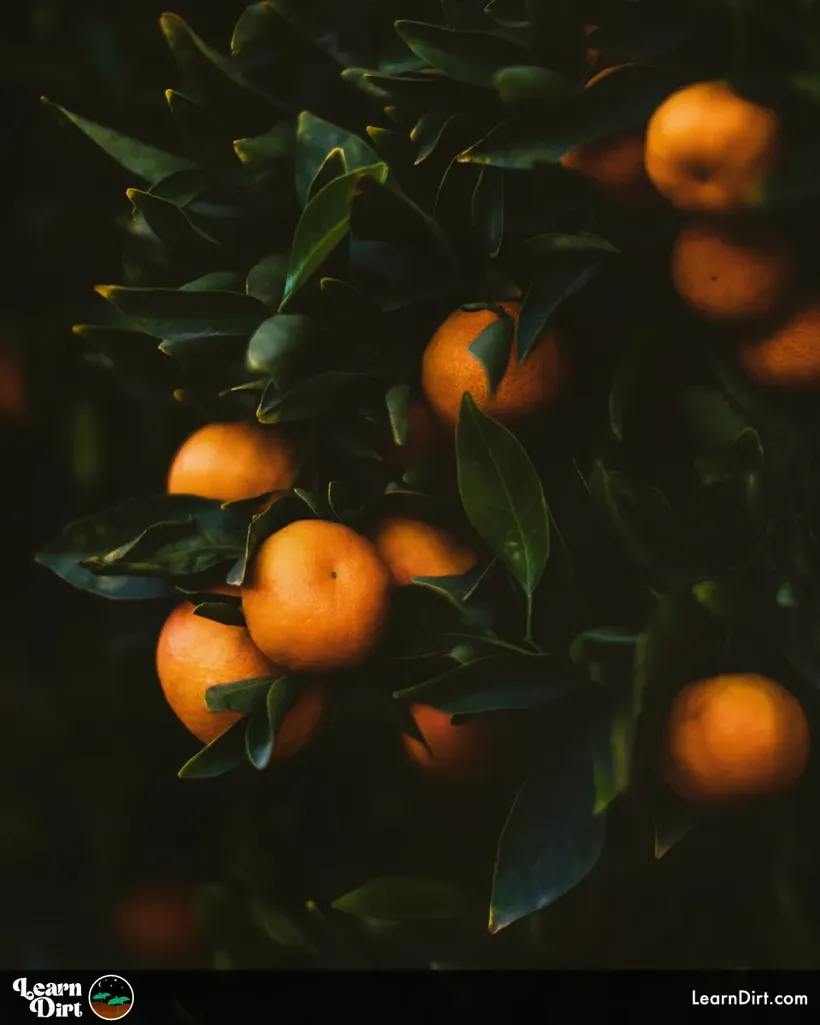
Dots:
pixel 545 296
pixel 242 696
pixel 333 167
pixel 177 315
pixel 220 612
pixel 219 757
pixel 315 139
pixel 140 158
pixel 397 898
pixel 551 840
pixel 492 348
pixel 278 343
pixel 308 398
pixel 169 223
pixel 487 209
pixel 284 509
pixel 261 154
pixel 465 56
pixel 526 84
pixel 494 683
pixel 398 400
pixel 502 494
pixel 429 131
pixel 324 223
pixel 266 280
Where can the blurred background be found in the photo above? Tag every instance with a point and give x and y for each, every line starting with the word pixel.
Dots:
pixel 100 843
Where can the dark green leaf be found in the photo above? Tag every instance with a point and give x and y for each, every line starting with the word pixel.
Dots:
pixel 220 612
pixel 398 401
pixel 282 510
pixel 492 348
pixel 219 757
pixel 487 209
pixel 458 589
pixel 512 13
pixel 253 29
pixel 217 281
pixel 173 314
pixel 429 131
pixel 101 533
pixel 624 100
pixel 553 244
pixel 469 57
pixel 333 167
pixel 139 158
pixel 545 296
pixel 308 398
pixel 262 154
pixel 266 280
pixel 315 140
pixel 525 84
pixel 714 422
pixel 551 840
pixel 283 929
pixel 196 128
pixel 602 647
pixel 502 494
pixel 494 683
pixel 324 223
pixel 736 463
pixel 277 345
pixel 241 696
pixel 169 223
pixel 397 898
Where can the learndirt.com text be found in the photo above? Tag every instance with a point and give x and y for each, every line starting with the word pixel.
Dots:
pixel 750 998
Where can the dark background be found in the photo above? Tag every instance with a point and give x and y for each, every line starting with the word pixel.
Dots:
pixel 91 811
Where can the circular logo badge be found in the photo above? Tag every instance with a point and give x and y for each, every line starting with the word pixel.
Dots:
pixel 111 997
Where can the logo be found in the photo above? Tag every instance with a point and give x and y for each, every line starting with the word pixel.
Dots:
pixel 111 997
pixel 51 999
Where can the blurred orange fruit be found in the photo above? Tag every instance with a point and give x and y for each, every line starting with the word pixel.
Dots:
pixel 710 150
pixel 734 736
pixel 457 754
pixel 413 548
pixel 788 356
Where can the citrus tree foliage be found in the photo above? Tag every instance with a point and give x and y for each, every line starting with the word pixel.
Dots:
pixel 348 174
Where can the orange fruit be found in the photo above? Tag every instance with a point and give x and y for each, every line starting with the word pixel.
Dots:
pixel 709 150
pixel 449 370
pixel 616 162
pixel 317 597
pixel 789 356
pixel 423 434
pixel 729 272
pixel 734 737
pixel 457 754
pixel 158 923
pixel 413 548
pixel 231 462
pixel 195 653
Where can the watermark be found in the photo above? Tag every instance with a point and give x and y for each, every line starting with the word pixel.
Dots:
pixel 749 998
pixel 110 997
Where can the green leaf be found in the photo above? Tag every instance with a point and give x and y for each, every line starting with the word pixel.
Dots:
pixel 457 589
pixel 511 13
pixel 333 167
pixel 556 244
pixel 551 841
pixel 398 401
pixel 241 696
pixel 176 548
pixel 399 898
pixel 487 209
pixel 140 158
pixel 280 927
pixel 283 510
pixel 308 398
pixel 265 723
pixel 220 612
pixel 673 819
pixel 324 223
pixel 622 101
pixel 429 131
pixel 278 343
pixel 196 127
pixel 97 535
pixel 219 757
pixel 315 140
pixel 602 647
pixel 502 494
pixel 266 279
pixel 469 57
pixel 182 316
pixel 492 348
pixel 216 281
pixel 169 223
pixel 527 84
pixel 503 681
pixel 736 463
pixel 645 525
pixel 545 296
pixel 263 154
pixel 254 28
